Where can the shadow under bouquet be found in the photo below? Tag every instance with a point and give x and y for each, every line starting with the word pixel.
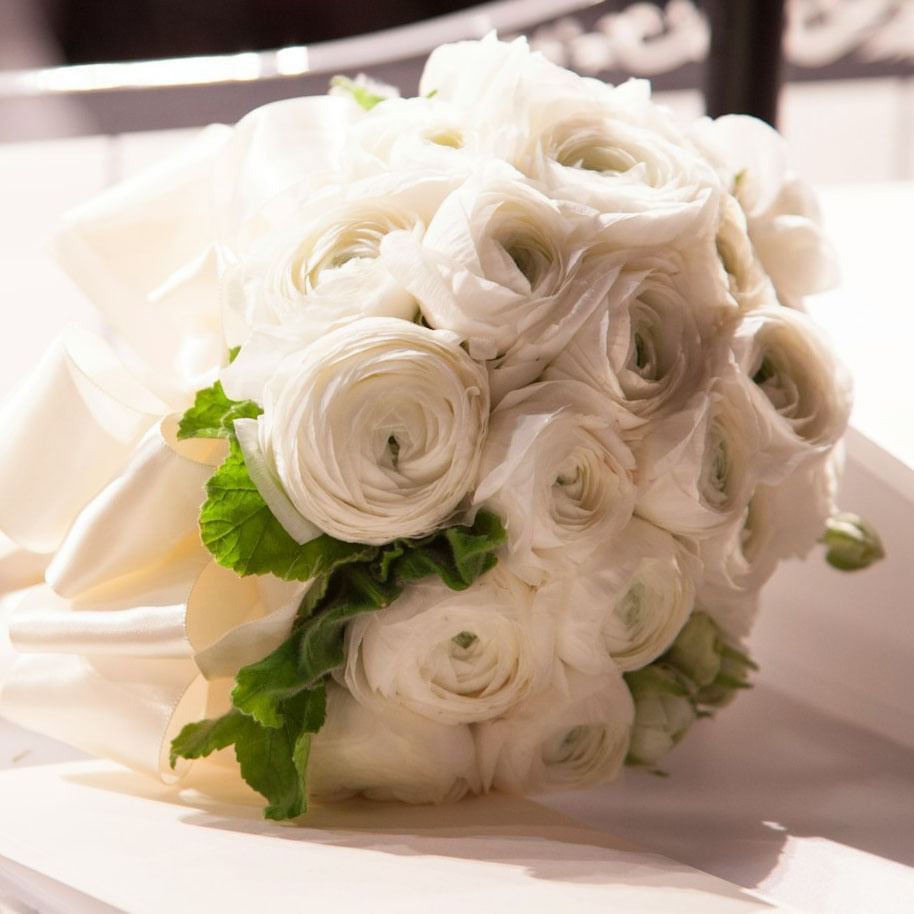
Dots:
pixel 435 445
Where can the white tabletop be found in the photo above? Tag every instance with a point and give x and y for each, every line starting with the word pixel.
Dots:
pixel 805 788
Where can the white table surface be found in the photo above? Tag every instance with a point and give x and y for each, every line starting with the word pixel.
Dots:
pixel 804 789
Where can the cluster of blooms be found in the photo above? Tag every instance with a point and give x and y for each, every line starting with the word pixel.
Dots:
pixel 536 295
pixel 566 310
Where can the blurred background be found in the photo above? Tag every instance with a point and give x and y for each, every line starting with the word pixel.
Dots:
pixel 85 67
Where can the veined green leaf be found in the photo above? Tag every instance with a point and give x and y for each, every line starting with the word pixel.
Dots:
pixel 213 414
pixel 275 709
pixel 238 528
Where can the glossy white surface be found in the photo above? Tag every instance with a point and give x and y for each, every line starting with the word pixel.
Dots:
pixel 109 825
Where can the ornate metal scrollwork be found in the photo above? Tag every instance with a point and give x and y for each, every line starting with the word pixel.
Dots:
pixel 648 39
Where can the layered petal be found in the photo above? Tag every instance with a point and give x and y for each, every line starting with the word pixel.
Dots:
pixel 573 736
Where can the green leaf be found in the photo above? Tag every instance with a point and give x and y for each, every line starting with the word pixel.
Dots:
pixel 238 528
pixel 361 94
pixel 260 688
pixel 273 761
pixel 851 543
pixel 276 710
pixel 203 737
pixel 458 555
pixel 314 649
pixel 213 414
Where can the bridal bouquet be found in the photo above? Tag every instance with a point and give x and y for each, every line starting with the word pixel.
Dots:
pixel 434 445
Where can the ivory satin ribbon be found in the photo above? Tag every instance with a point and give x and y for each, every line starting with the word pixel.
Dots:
pixel 125 627
pixel 135 622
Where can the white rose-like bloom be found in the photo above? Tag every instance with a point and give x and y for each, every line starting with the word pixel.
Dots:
pixel 784 221
pixel 658 338
pixel 798 384
pixel 413 135
pixel 791 245
pixel 781 521
pixel 701 465
pixel 504 266
pixel 325 265
pixel 556 471
pixel 625 607
pixel 603 146
pixel 609 147
pixel 388 753
pixel 468 74
pixel 572 736
pixel 454 657
pixel 370 433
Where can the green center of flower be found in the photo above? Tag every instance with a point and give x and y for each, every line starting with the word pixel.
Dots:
pixel 465 640
pixel 451 138
pixel 594 155
pixel 393 446
pixel 766 371
pixel 525 260
pixel 570 479
pixel 630 605
pixel 573 737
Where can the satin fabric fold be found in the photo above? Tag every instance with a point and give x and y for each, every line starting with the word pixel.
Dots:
pixel 122 247
pixel 19 568
pixel 150 252
pixel 139 517
pixel 124 708
pixel 136 631
pixel 68 428
pixel 118 676
pixel 126 628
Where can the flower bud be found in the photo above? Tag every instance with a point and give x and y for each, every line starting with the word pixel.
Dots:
pixel 851 543
pixel 696 650
pixel 716 669
pixel 732 675
pixel 664 711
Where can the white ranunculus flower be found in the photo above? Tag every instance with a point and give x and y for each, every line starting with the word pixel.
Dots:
pixel 388 753
pixel 413 135
pixel 657 340
pixel 798 384
pixel 505 267
pixel 574 735
pixel 781 521
pixel 782 213
pixel 602 147
pixel 625 607
pixel 700 466
pixel 454 657
pixel 322 261
pixel 555 470
pixel 370 433
pixel 608 147
pixel 472 74
pixel 791 245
